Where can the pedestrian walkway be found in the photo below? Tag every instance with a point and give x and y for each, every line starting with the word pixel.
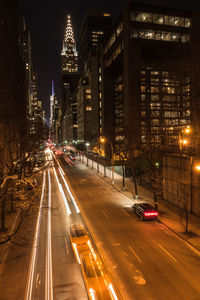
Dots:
pixel 169 214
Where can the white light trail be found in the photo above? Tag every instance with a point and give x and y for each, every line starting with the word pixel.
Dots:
pixel 49 279
pixel 30 279
pixel 63 194
pixel 76 252
pixel 112 291
pixel 92 294
pixel 67 187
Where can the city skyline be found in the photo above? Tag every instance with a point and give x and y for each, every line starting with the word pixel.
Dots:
pixel 47 23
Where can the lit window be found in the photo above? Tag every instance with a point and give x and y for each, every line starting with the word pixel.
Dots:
pixel 88 108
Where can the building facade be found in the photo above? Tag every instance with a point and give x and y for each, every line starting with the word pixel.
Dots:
pixel 13 95
pixel 147 76
pixel 95 29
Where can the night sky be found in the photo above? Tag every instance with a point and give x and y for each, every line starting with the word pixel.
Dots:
pixel 46 21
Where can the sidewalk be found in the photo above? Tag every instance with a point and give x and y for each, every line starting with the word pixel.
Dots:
pixel 169 214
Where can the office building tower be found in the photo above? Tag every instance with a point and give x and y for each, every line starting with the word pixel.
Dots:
pixel 70 76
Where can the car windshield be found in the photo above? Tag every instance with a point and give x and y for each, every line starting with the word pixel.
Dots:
pixel 93 271
pixel 77 232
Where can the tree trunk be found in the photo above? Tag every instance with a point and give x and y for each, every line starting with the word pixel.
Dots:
pixel 135 186
pixel 186 221
pixel 11 203
pixel 3 213
pixel 123 178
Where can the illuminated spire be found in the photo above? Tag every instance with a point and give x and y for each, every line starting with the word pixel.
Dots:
pixel 52 88
pixel 69 53
pixel 69 35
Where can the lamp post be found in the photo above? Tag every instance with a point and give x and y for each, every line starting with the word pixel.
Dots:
pixel 103 140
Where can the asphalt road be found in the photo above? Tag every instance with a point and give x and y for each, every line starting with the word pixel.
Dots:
pixel 39 263
pixel 147 259
pixel 56 275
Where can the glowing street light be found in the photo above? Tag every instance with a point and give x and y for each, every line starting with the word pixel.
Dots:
pixel 185 142
pixel 184 136
pixel 197 167
pixel 187 130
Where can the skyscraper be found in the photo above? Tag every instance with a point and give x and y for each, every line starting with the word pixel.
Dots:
pixel 70 76
pixel 53 112
pixel 69 54
pixel 95 30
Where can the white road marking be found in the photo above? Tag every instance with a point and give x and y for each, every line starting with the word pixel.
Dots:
pixel 170 255
pixel 105 214
pixel 192 248
pixel 135 253
pixel 168 232
pixel 124 211
pixel 66 246
pixel 138 278
pixel 117 244
pixel 164 228
pixel 31 272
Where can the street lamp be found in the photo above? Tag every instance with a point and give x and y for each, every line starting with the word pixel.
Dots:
pixel 197 167
pixel 183 139
pixel 104 140
pixel 87 145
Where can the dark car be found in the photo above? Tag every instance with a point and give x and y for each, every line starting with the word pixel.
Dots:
pixel 145 211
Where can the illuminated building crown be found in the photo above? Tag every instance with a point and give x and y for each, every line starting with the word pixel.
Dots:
pixel 69 53
pixel 69 35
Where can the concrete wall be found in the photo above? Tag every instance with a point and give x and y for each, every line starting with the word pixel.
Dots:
pixel 181 182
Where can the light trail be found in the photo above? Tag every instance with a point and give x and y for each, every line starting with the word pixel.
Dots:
pixel 68 189
pixel 63 194
pixel 112 291
pixel 76 252
pixel 31 272
pixel 69 161
pixel 49 279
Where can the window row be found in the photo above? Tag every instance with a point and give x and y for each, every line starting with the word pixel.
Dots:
pixel 114 54
pixel 114 37
pixel 160 19
pixel 160 35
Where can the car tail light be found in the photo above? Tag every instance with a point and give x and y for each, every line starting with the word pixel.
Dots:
pixel 151 214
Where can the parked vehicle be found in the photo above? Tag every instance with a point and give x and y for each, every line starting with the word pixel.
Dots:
pixel 145 211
